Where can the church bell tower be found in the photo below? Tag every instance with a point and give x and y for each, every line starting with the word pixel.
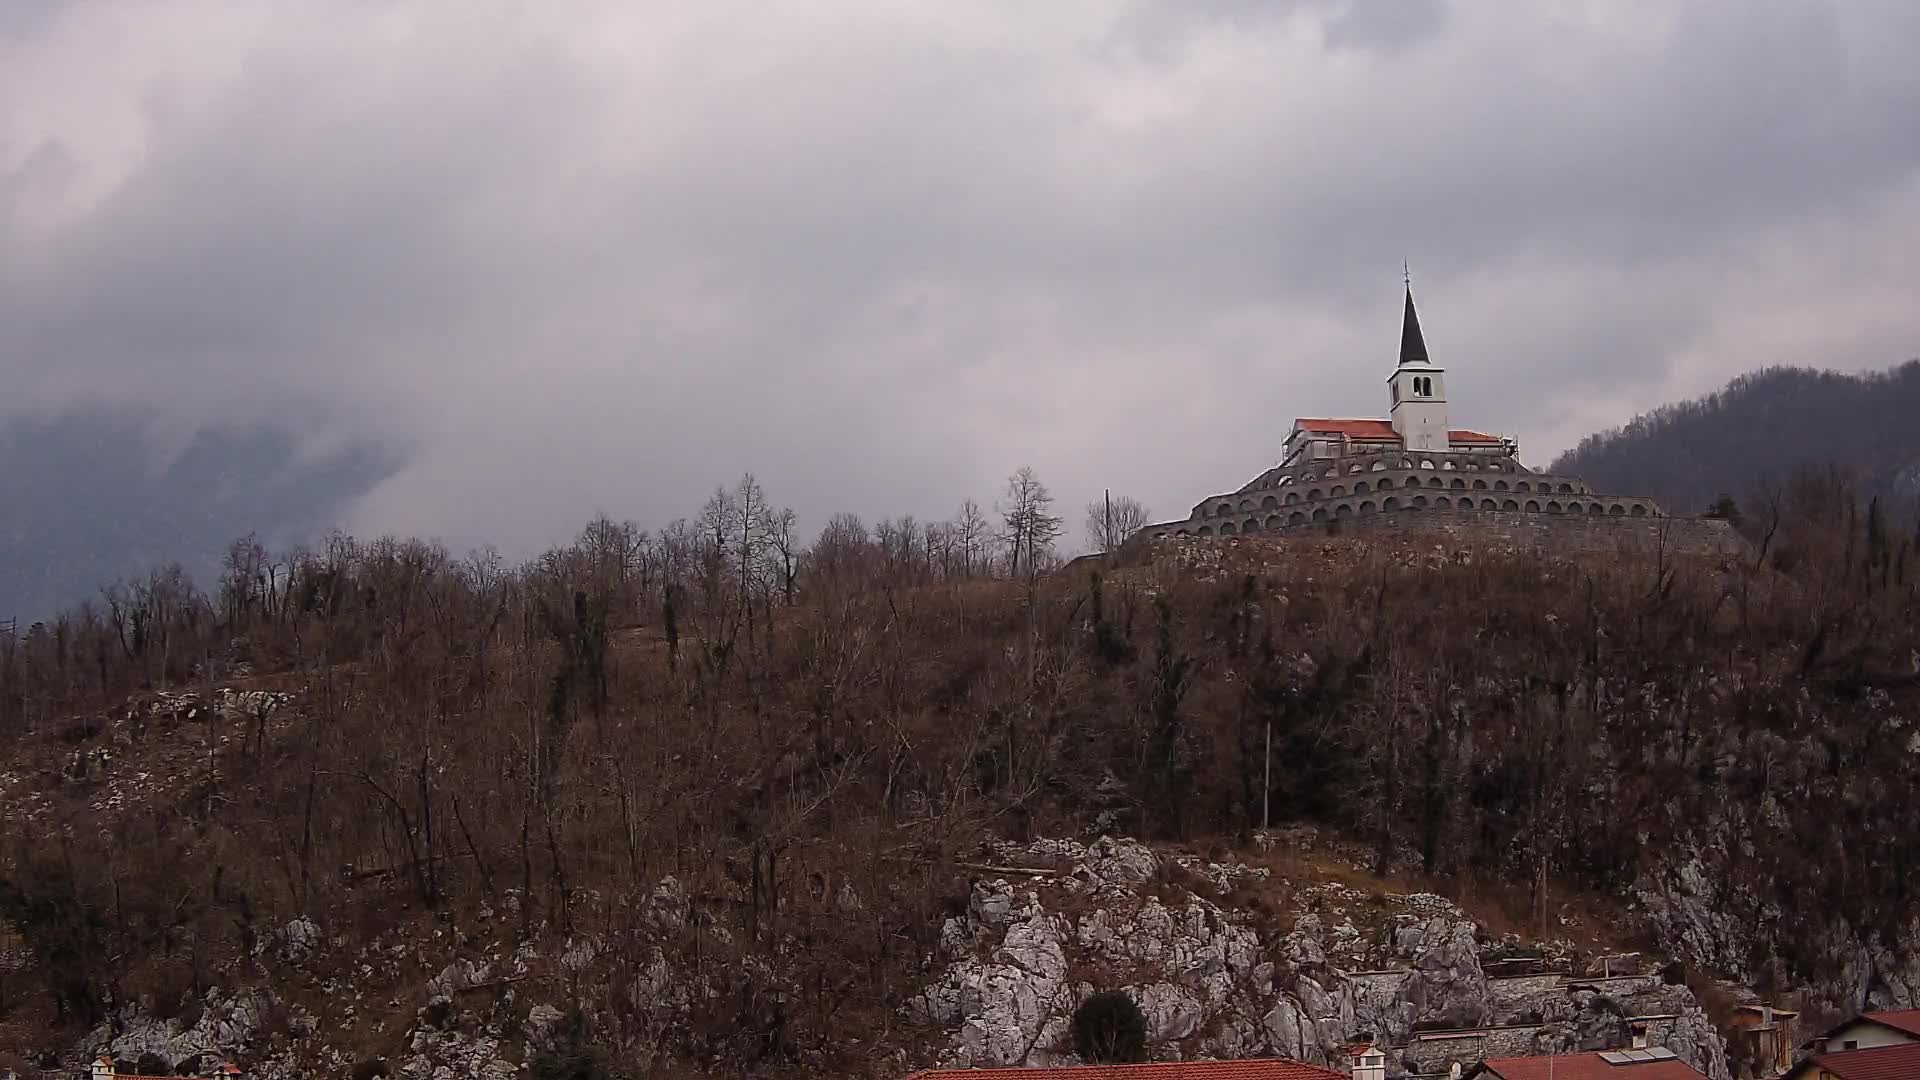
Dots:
pixel 1419 390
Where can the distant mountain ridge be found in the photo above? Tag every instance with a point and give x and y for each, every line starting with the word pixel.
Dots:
pixel 86 500
pixel 1757 431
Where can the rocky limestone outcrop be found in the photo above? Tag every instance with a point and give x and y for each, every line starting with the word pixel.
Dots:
pixel 1216 982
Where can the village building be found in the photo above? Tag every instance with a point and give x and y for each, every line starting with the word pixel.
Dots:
pixel 104 1068
pixel 1867 1031
pixel 1413 462
pixel 1654 1063
pixel 1251 1069
pixel 1896 1062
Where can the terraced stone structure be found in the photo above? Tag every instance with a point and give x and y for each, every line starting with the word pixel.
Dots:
pixel 1414 463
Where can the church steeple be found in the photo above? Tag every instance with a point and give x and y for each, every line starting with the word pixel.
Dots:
pixel 1413 346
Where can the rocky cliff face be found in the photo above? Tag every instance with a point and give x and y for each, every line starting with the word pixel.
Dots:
pixel 1216 981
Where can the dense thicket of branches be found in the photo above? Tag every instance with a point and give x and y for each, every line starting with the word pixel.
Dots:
pixel 783 728
pixel 1750 437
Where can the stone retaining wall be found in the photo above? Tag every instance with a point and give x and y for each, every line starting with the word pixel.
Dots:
pixel 1584 534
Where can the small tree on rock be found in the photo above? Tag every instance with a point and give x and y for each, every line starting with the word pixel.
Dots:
pixel 1110 1029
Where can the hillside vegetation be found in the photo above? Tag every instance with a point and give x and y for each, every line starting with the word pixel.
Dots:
pixel 1748 439
pixel 410 742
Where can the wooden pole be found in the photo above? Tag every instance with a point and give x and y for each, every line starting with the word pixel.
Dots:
pixel 1266 780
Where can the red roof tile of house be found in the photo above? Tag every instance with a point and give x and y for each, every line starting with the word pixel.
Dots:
pixel 1586 1067
pixel 1255 1069
pixel 1907 1020
pixel 1380 430
pixel 1880 1063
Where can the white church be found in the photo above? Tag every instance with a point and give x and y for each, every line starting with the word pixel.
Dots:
pixel 1412 462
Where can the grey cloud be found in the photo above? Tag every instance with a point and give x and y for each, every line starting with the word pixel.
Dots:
pixel 605 258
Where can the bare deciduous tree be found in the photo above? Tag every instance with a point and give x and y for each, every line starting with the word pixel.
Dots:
pixel 1111 520
pixel 1029 528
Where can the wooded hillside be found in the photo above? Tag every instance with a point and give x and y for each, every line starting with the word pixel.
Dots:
pixel 1748 439
pixel 781 725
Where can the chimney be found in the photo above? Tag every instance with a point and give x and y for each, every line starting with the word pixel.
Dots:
pixel 1639 1036
pixel 1369 1062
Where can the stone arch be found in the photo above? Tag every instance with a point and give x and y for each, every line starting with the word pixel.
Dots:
pixel 1596 508
pixel 1566 489
pixel 1368 507
pixel 1283 481
pixel 1252 526
pixel 1436 482
pixel 1500 485
pixel 1296 518
pixel 1459 484
pixel 1269 503
pixel 1554 507
pixel 1442 502
pixel 1479 485
pixel 1224 508
pixel 1406 463
pixel 1419 502
pixel 1206 530
pixel 1226 528
pixel 1343 510
pixel 1313 495
pixel 1426 463
pixel 1274 522
pixel 1292 497
pixel 1639 510
pixel 1360 488
pixel 1391 504
pixel 1448 466
pixel 1471 466
pixel 1181 532
pixel 1489 504
pixel 1356 467
pixel 1494 466
pixel 1320 514
pixel 1533 507
pixel 1509 505
pixel 1378 465
pixel 1338 490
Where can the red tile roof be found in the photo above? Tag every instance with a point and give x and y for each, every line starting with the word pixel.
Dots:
pixel 1254 1069
pixel 1587 1067
pixel 1881 1063
pixel 1381 430
pixel 1907 1020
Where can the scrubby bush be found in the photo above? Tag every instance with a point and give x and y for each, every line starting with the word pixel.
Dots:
pixel 1109 1028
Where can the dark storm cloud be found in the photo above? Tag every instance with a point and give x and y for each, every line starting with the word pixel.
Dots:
pixel 604 257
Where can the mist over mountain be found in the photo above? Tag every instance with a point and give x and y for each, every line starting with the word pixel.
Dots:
pixel 89 498
pixel 1750 436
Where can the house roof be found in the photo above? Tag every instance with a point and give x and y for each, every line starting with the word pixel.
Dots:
pixel 1585 1067
pixel 1907 1020
pixel 1900 1062
pixel 1381 430
pixel 1254 1069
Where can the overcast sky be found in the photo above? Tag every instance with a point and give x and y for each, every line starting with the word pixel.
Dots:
pixel 582 257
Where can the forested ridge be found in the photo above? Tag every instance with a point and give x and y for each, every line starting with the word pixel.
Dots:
pixel 425 740
pixel 1747 440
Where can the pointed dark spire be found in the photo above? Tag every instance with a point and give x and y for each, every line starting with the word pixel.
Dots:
pixel 1413 347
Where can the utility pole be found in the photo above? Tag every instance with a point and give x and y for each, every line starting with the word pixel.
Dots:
pixel 1106 535
pixel 1266 779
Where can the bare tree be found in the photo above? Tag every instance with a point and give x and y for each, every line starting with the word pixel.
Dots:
pixel 1111 520
pixel 1028 527
pixel 970 534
